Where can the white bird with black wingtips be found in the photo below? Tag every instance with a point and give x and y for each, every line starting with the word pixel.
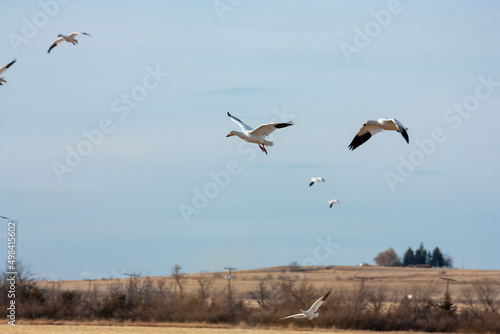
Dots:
pixel 312 312
pixel 316 179
pixel 332 202
pixel 372 127
pixel 70 39
pixel 3 69
pixel 257 135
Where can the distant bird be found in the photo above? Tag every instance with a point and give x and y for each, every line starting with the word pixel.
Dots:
pixel 70 38
pixel 312 312
pixel 316 179
pixel 3 69
pixel 371 128
pixel 3 217
pixel 257 135
pixel 332 202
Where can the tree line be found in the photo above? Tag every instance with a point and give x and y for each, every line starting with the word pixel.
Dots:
pixel 420 257
pixel 369 306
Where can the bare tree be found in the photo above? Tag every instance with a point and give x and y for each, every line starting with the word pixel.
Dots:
pixel 487 292
pixel 377 296
pixel 295 267
pixel 178 277
pixel 205 283
pixel 388 258
pixel 262 295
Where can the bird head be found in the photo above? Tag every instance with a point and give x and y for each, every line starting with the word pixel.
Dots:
pixel 231 133
pixel 60 35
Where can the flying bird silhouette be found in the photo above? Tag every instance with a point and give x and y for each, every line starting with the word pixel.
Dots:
pixel 332 202
pixel 257 135
pixel 70 39
pixel 372 127
pixel 316 179
pixel 312 312
pixel 3 69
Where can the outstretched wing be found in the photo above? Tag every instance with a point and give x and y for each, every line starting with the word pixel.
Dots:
pixel 295 316
pixel 402 129
pixel 365 133
pixel 73 34
pixel 242 125
pixel 57 41
pixel 3 68
pixel 266 129
pixel 314 308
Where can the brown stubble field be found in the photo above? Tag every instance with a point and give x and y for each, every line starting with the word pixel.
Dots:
pixel 395 279
pixel 167 329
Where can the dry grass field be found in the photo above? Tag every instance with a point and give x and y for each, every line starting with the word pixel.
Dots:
pixel 394 278
pixel 344 281
pixel 77 329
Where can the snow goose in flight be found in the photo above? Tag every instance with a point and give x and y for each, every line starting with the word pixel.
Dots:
pixel 332 202
pixel 3 69
pixel 316 179
pixel 312 312
pixel 258 134
pixel 70 38
pixel 372 127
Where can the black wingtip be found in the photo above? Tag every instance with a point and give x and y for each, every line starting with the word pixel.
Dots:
pixel 359 140
pixel 10 64
pixel 283 125
pixel 310 184
pixel 405 136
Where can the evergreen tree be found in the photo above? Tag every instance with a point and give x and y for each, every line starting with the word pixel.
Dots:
pixel 421 255
pixel 409 258
pixel 437 258
pixel 447 307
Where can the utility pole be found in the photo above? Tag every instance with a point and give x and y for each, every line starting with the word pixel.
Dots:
pixel 132 275
pixel 448 280
pixel 229 277
pixel 363 279
pixel 90 281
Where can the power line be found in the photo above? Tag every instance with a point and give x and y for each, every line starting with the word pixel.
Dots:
pixel 363 279
pixel 229 277
pixel 90 281
pixel 448 280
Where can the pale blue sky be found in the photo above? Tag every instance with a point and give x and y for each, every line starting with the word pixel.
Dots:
pixel 119 209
